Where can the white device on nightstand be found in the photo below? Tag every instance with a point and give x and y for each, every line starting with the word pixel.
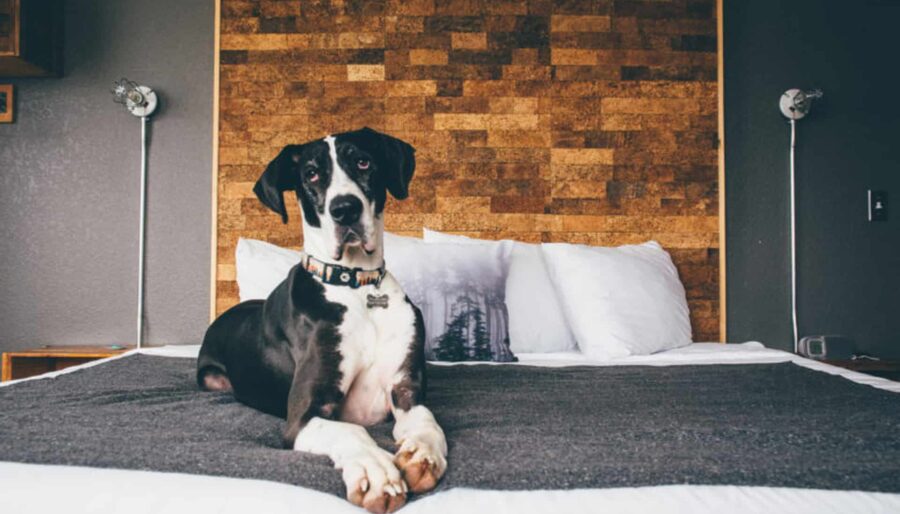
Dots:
pixel 826 347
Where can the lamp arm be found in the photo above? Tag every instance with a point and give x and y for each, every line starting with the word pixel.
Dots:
pixel 142 234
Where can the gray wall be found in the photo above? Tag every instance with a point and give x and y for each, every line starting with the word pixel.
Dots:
pixel 69 179
pixel 849 269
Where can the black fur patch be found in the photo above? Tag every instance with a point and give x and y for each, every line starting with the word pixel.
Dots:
pixel 351 154
pixel 281 356
pixel 304 169
pixel 314 159
pixel 391 163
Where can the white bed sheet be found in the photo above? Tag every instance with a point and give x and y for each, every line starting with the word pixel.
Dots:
pixel 25 487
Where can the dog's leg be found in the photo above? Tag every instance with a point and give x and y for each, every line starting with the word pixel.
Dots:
pixel 373 481
pixel 422 447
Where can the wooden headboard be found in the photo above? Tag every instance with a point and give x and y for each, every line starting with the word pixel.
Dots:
pixel 533 120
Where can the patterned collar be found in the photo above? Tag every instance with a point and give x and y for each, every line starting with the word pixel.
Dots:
pixel 338 275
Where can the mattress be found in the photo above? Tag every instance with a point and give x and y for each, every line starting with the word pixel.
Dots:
pixel 844 483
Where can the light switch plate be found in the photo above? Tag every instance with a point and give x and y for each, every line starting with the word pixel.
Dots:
pixel 878 205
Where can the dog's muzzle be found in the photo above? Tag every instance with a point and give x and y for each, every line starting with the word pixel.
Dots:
pixel 346 211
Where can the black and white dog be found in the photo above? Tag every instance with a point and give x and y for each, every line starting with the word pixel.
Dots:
pixel 337 346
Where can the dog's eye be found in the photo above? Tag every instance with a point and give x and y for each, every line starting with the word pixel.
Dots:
pixel 311 174
pixel 363 164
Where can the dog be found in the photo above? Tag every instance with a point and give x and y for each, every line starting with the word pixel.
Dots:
pixel 337 346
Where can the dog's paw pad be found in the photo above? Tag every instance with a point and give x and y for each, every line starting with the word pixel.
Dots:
pixel 373 482
pixel 420 473
pixel 383 503
pixel 389 499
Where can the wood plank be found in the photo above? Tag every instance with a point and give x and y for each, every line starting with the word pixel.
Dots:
pixel 723 254
pixel 214 217
pixel 35 361
pixel 6 368
pixel 71 351
pixel 12 38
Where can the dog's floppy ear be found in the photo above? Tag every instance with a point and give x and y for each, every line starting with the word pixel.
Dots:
pixel 399 163
pixel 280 176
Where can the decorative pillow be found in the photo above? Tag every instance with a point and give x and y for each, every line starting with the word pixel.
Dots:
pixel 460 290
pixel 260 267
pixel 536 320
pixel 620 301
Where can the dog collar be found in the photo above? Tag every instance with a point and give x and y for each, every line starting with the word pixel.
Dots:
pixel 338 275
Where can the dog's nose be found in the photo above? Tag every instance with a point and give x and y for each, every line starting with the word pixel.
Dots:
pixel 345 209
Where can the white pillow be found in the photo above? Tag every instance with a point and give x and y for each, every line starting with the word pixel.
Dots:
pixel 536 320
pixel 620 301
pixel 260 267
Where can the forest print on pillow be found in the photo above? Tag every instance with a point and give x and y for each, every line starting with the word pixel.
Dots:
pixel 460 290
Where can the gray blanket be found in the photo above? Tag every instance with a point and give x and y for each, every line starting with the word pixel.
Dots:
pixel 508 427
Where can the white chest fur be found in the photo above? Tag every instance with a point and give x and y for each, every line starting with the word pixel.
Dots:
pixel 375 342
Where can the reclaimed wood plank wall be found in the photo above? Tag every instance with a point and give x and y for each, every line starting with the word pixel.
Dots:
pixel 588 121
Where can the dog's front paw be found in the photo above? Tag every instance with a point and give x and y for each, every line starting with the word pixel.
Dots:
pixel 421 464
pixel 373 482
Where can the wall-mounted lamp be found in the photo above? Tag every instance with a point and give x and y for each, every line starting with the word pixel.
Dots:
pixel 795 104
pixel 140 101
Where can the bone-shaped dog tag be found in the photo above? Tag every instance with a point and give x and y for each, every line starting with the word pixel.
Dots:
pixel 380 300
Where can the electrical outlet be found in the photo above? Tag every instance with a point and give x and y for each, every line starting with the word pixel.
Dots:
pixel 878 205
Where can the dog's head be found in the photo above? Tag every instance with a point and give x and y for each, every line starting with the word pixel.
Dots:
pixel 341 183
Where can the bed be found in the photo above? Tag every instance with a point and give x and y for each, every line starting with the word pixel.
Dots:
pixel 702 428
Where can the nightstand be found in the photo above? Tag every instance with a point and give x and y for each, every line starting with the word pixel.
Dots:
pixel 28 363
pixel 889 369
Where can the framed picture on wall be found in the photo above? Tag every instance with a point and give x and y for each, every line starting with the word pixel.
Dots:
pixel 6 103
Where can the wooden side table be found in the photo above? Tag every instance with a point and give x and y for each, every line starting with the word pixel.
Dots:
pixel 889 369
pixel 28 363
